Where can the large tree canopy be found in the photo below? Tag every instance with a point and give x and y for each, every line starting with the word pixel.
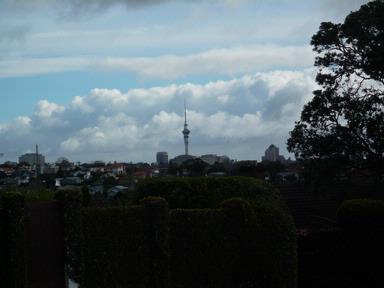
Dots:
pixel 345 118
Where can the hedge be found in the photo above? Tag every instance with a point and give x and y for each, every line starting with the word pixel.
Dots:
pixel 71 202
pixel 204 192
pixel 362 214
pixel 236 245
pixel 362 225
pixel 12 261
pixel 126 247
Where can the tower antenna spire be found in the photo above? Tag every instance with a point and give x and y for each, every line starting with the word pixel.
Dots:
pixel 185 111
pixel 185 131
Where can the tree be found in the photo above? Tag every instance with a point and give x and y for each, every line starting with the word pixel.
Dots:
pixel 196 167
pixel 345 118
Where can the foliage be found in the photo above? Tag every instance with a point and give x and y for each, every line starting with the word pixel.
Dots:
pixel 345 118
pixel 322 260
pixel 39 196
pixel 236 245
pixel 362 224
pixel 364 214
pixel 71 202
pixel 113 238
pixel 3 175
pixel 109 182
pixel 204 192
pixel 196 167
pixel 12 240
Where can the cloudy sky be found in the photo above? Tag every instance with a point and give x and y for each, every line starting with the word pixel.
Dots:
pixel 107 79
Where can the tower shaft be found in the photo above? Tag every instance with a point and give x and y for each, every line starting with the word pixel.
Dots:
pixel 186 130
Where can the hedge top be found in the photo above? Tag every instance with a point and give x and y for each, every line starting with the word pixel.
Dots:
pixel 204 192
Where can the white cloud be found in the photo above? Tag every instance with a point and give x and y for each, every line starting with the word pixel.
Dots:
pixel 230 61
pixel 217 61
pixel 45 109
pixel 70 145
pixel 37 66
pixel 48 114
pixel 135 124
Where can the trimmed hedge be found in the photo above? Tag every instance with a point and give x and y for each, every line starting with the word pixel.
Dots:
pixel 113 240
pixel 71 202
pixel 237 245
pixel 364 214
pixel 362 225
pixel 126 247
pixel 12 261
pixel 204 192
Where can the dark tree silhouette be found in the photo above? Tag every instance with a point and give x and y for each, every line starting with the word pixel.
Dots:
pixel 345 118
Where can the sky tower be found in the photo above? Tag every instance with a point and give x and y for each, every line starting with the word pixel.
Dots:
pixel 185 130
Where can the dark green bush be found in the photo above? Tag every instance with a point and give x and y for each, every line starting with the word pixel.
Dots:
pixel 362 214
pixel 237 245
pixel 204 192
pixel 71 202
pixel 113 247
pixel 12 240
pixel 126 246
pixel 362 226
pixel 39 196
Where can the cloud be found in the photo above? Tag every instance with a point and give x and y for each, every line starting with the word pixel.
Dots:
pixel 133 125
pixel 81 6
pixel 230 61
pixel 77 5
pixel 38 66
pixel 12 34
pixel 340 8
pixel 45 109
pixel 218 61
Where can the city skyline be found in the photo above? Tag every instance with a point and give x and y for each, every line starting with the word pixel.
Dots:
pixel 106 79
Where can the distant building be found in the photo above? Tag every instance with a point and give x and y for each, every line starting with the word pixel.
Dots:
pixel 272 154
pixel 115 168
pixel 213 158
pixel 97 166
pixel 32 159
pixel 162 159
pixel 51 169
pixel 64 164
pixel 178 160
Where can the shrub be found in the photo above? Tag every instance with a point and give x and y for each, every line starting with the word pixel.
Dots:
pixel 71 202
pixel 39 196
pixel 126 247
pixel 12 240
pixel 113 243
pixel 362 225
pixel 236 245
pixel 204 192
pixel 364 214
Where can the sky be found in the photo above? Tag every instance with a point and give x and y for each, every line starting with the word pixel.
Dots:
pixel 107 79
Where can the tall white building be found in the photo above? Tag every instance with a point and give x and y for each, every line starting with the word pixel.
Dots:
pixel 162 158
pixel 272 154
pixel 32 159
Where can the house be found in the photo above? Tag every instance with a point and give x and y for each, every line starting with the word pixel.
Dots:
pixel 116 168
